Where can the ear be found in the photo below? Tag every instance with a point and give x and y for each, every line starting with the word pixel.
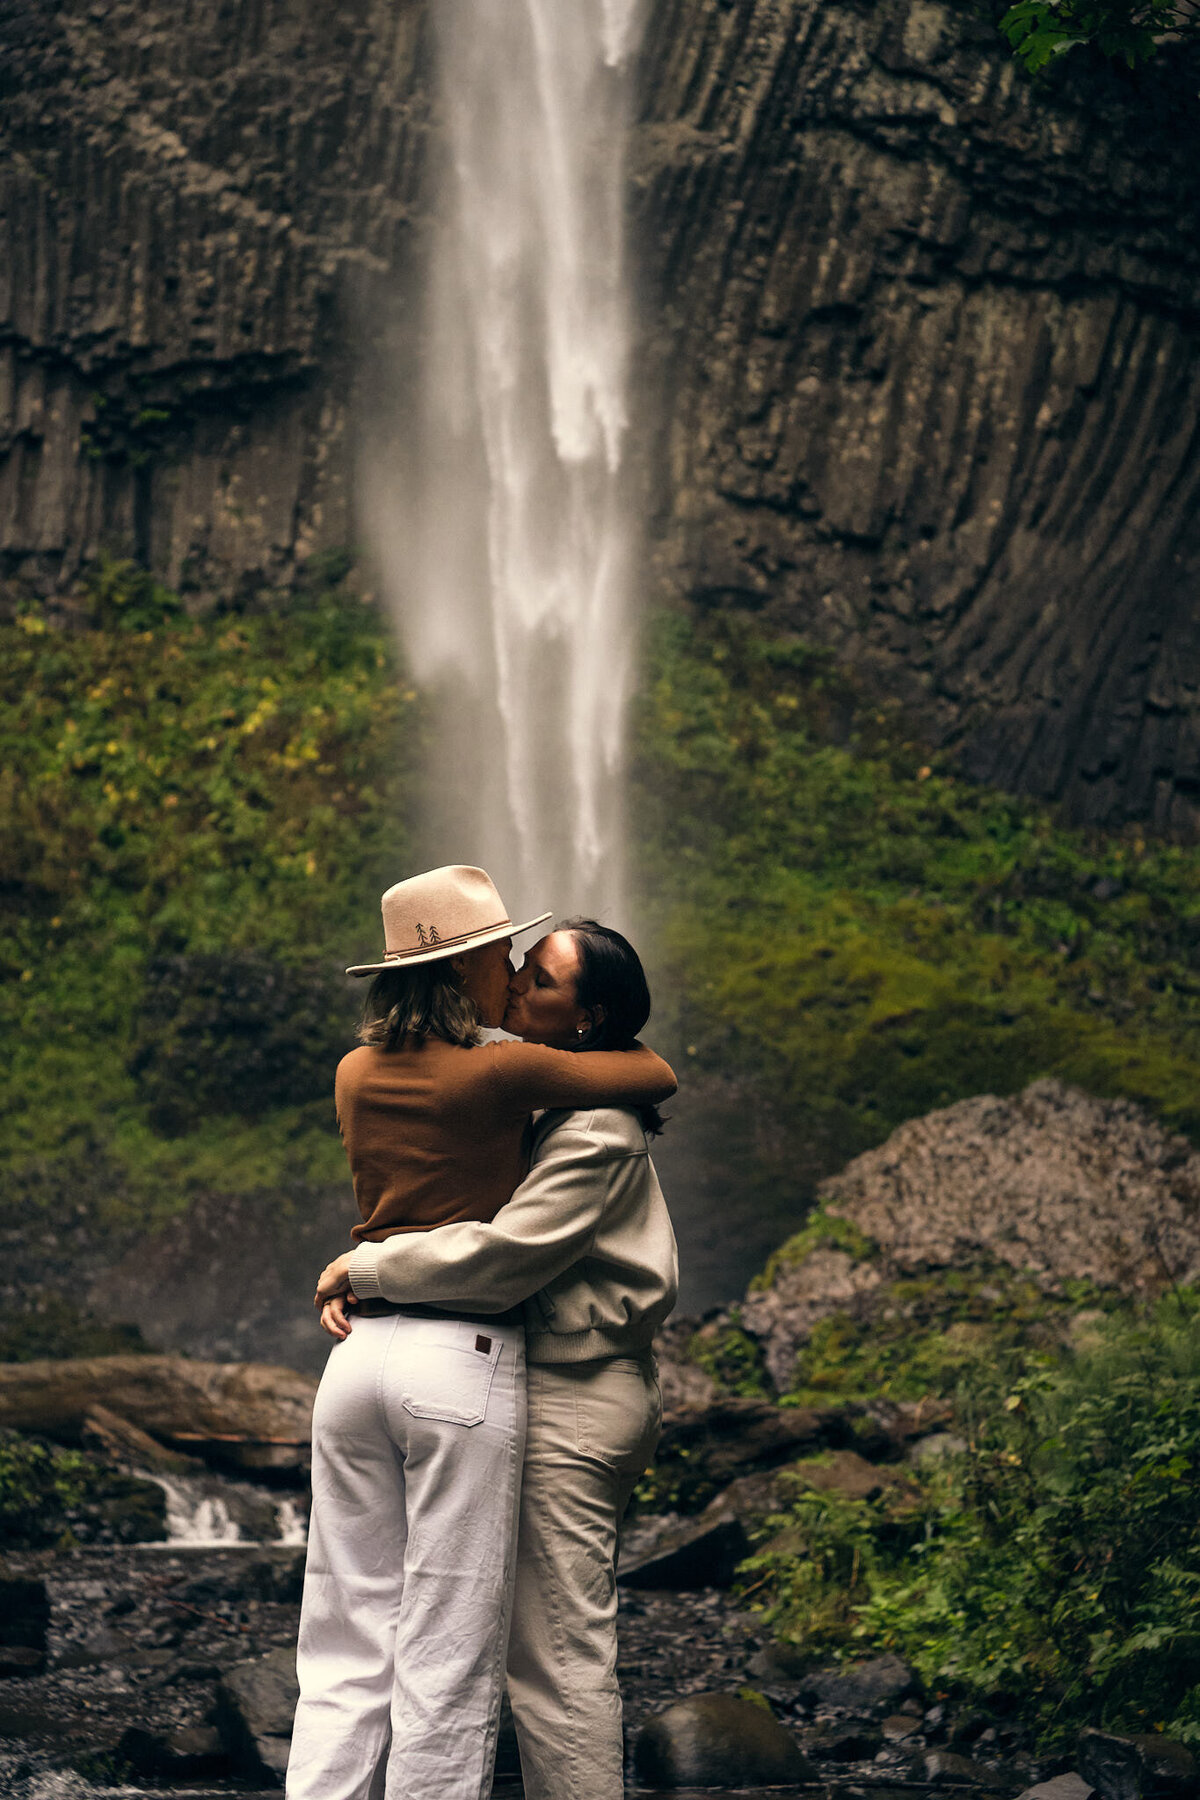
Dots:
pixel 594 1018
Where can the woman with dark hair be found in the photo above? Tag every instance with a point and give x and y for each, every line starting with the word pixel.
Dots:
pixel 419 1422
pixel 586 1244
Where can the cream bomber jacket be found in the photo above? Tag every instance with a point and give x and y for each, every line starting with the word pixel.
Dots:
pixel 585 1242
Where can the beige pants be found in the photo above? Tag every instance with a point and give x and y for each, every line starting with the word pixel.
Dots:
pixel 592 1431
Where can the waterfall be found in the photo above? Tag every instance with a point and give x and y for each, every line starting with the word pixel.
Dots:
pixel 503 537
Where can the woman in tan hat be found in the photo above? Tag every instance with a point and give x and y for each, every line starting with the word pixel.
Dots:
pixel 586 1243
pixel 419 1422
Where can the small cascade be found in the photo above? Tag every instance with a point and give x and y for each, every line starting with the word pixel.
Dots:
pixel 195 1519
pixel 293 1526
pixel 204 1513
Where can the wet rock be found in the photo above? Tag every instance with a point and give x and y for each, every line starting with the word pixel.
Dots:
pixel 897 1728
pixel 1140 1767
pixel 684 1553
pixel 861 1687
pixel 733 1436
pixel 247 1415
pixel 24 1617
pixel 718 1740
pixel 943 1768
pixel 855 1745
pixel 847 1473
pixel 188 1753
pixel 778 1665
pixel 278 1577
pixel 1062 1787
pixel 256 1703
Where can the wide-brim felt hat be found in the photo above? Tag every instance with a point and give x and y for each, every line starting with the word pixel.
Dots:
pixel 440 914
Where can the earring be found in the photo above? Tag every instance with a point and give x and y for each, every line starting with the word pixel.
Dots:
pixel 581 1031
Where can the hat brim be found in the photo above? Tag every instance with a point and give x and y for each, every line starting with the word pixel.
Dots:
pixel 442 951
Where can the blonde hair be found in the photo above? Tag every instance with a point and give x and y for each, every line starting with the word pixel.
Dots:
pixel 423 1001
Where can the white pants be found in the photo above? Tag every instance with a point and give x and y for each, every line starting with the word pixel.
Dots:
pixel 593 1428
pixel 418 1436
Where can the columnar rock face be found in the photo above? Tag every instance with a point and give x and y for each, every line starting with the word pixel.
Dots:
pixel 920 341
pixel 929 337
pixel 196 201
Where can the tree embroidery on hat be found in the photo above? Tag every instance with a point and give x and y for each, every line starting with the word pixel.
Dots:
pixel 427 940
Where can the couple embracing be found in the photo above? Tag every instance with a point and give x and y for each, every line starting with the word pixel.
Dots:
pixel 492 1397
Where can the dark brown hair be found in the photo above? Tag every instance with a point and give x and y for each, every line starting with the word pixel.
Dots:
pixel 612 982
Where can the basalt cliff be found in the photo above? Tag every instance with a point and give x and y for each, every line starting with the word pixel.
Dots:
pixel 918 339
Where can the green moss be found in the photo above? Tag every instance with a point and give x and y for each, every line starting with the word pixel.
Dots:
pixel 929 1334
pixel 731 1357
pixel 49 1495
pixel 174 797
pixel 822 1231
pixel 862 936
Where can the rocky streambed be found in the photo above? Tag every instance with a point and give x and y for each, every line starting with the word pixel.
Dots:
pixel 149 1598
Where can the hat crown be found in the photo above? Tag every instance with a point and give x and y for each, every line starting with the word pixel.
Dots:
pixel 442 907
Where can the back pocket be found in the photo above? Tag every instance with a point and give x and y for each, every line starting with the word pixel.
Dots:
pixel 450 1378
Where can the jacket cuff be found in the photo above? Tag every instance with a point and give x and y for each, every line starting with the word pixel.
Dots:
pixel 364 1277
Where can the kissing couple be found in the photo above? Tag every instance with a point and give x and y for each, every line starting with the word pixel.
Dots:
pixel 492 1397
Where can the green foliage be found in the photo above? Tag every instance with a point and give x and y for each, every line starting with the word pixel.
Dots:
pixel 1127 31
pixel 821 1231
pixel 929 1333
pixel 174 792
pixel 1057 1560
pixel 53 1326
pixel 124 597
pixel 731 1357
pixel 863 936
pixel 49 1495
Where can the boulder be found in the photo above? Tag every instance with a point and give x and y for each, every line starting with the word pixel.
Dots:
pixel 862 1687
pixel 943 1768
pixel 1050 1181
pixel 898 1728
pixel 249 1415
pixel 718 1741
pixel 256 1703
pixel 1071 1786
pixel 733 1436
pixel 847 1473
pixel 1138 1767
pixel 681 1553
pixel 189 1753
pixel 856 1745
pixel 24 1618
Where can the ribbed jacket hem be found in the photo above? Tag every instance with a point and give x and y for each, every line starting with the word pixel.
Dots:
pixel 363 1277
pixel 586 1346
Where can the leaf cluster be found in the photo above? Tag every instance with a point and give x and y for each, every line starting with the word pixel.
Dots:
pixel 55 1496
pixel 1055 1562
pixel 1126 31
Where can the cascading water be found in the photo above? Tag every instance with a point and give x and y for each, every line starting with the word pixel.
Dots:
pixel 508 557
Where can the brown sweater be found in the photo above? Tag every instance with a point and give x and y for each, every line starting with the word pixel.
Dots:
pixel 437 1133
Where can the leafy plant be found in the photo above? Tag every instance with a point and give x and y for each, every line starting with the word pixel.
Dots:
pixel 50 1495
pixel 1057 1560
pixel 1127 31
